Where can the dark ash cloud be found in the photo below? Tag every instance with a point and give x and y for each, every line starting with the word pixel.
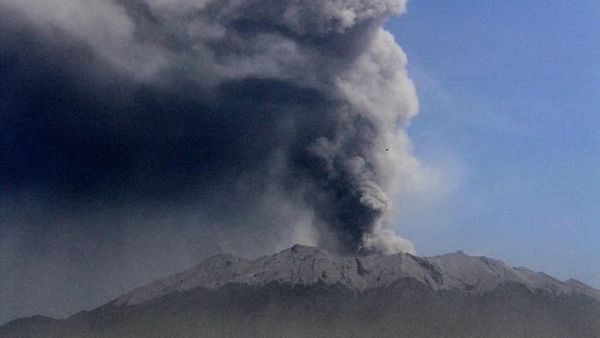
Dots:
pixel 234 125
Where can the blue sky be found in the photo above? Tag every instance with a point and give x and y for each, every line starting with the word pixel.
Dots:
pixel 510 109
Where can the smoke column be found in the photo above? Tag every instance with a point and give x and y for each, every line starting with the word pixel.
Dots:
pixel 247 112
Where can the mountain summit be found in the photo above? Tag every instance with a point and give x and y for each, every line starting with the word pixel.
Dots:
pixel 305 291
pixel 303 265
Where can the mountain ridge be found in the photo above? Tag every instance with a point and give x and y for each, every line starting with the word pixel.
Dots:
pixel 306 292
pixel 305 265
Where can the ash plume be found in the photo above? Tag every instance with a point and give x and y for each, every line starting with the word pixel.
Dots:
pixel 246 112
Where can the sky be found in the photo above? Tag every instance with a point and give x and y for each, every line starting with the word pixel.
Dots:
pixel 509 96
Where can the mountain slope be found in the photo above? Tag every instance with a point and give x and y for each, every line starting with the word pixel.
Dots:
pixel 303 265
pixel 304 291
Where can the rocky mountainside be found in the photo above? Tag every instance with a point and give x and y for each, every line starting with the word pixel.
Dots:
pixel 303 265
pixel 304 291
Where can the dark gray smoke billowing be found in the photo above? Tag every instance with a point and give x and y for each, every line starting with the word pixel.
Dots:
pixel 241 111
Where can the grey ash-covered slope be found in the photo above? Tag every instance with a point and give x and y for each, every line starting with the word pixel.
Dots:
pixel 302 265
pixel 304 291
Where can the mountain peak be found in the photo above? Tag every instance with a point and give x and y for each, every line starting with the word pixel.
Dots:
pixel 304 250
pixel 304 291
pixel 305 265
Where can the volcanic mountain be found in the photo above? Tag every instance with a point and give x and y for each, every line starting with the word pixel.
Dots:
pixel 307 292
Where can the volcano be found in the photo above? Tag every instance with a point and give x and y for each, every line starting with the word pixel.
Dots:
pixel 307 292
